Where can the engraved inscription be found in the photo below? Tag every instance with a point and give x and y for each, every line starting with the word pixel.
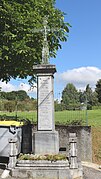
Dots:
pixel 45 103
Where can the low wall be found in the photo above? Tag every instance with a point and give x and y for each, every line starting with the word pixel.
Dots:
pixel 84 140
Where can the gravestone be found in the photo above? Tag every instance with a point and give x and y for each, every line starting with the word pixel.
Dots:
pixel 45 139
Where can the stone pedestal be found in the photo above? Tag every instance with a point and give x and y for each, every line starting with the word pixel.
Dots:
pixel 45 170
pixel 45 140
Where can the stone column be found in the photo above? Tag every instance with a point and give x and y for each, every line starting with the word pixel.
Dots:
pixel 73 151
pixel 13 153
pixel 45 140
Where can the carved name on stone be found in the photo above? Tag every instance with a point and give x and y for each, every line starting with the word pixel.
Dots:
pixel 45 102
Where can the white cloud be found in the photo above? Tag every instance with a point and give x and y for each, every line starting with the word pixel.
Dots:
pixel 80 77
pixel 26 87
pixel 7 87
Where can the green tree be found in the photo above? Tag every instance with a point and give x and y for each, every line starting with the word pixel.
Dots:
pixel 20 44
pixel 21 95
pixel 70 96
pixel 58 106
pixel 90 97
pixel 9 106
pixel 15 95
pixel 98 90
pixel 3 94
pixel 94 99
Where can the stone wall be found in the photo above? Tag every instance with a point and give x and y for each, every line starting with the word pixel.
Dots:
pixel 84 140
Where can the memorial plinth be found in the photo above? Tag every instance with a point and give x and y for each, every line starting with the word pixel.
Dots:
pixel 45 140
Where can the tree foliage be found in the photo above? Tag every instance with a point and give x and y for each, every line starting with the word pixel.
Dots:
pixel 20 95
pixel 74 99
pixel 98 90
pixel 9 106
pixel 20 43
pixel 91 96
pixel 17 101
pixel 70 96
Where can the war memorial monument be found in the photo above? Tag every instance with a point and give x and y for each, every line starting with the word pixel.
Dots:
pixel 45 141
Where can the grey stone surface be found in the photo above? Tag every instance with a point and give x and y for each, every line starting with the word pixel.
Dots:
pixel 45 142
pixel 42 165
pixel 88 173
pixel 37 69
pixel 45 102
pixel 85 144
pixel 76 173
pixel 13 153
pixel 45 96
pixel 46 170
pixel 42 174
pixel 91 173
pixel 73 150
pixel 84 140
pixel 45 139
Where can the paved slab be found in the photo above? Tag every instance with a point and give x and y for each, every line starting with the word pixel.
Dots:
pixel 91 170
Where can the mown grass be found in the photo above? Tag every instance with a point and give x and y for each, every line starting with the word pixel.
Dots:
pixel 90 117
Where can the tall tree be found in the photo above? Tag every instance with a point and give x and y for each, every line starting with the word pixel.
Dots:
pixel 98 90
pixel 20 41
pixel 70 95
pixel 90 97
pixel 89 94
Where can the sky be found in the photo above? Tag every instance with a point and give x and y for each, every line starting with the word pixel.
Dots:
pixel 79 60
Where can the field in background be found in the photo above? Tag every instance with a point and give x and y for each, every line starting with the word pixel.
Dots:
pixel 90 117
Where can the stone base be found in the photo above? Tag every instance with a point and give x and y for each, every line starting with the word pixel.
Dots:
pixel 45 170
pixel 45 142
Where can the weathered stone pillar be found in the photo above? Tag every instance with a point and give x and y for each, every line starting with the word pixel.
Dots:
pixel 13 153
pixel 73 151
pixel 45 140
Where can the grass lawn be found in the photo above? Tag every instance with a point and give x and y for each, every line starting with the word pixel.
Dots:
pixel 90 117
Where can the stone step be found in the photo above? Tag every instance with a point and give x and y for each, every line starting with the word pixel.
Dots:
pixel 42 163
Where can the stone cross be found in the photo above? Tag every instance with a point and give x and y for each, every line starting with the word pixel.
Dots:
pixel 45 49
pixel 45 30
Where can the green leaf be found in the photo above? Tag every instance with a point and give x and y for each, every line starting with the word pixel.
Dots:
pixel 20 45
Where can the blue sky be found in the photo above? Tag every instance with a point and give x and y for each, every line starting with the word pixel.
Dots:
pixel 79 61
pixel 84 43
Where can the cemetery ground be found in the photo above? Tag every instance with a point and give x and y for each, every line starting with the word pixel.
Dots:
pixel 82 117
